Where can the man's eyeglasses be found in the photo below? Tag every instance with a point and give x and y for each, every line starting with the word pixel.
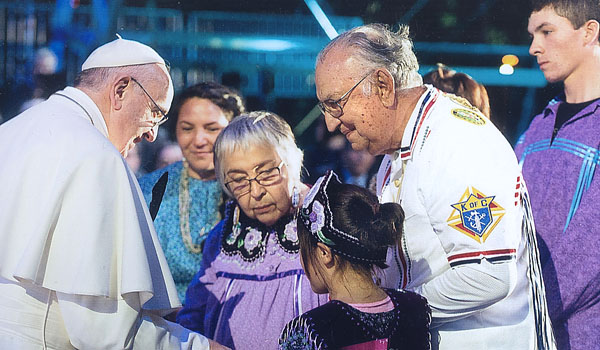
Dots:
pixel 241 186
pixel 334 108
pixel 163 116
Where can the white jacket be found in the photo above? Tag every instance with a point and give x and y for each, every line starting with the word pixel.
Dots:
pixel 464 247
pixel 80 262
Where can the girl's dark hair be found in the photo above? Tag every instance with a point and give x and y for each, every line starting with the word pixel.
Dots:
pixel 227 99
pixel 357 212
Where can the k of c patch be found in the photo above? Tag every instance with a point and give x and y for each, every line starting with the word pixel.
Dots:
pixel 475 214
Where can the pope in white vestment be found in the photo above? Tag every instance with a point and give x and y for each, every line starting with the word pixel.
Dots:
pixel 80 263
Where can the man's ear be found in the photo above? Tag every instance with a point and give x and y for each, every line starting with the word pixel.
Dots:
pixel 118 92
pixel 384 83
pixel 324 255
pixel 592 30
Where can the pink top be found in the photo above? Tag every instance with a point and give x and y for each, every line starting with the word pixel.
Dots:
pixel 375 307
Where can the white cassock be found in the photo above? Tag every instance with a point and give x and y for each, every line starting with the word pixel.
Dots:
pixel 80 262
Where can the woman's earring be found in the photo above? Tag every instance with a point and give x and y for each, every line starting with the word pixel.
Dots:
pixel 295 197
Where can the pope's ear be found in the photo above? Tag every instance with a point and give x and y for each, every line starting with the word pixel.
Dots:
pixel 118 91
pixel 385 89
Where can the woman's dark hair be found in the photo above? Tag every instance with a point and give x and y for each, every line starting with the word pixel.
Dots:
pixel 227 99
pixel 357 212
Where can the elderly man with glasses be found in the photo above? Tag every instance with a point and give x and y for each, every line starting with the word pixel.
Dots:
pixel 469 241
pixel 80 263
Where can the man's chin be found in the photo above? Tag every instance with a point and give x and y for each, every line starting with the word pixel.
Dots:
pixel 358 146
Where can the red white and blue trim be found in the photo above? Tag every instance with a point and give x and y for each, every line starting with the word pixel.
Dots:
pixel 424 112
pixel 476 257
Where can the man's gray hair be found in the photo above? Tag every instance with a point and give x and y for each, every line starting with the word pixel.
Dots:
pixel 258 129
pixel 376 47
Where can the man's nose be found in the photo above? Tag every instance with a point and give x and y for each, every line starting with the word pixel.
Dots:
pixel 534 47
pixel 331 122
pixel 151 134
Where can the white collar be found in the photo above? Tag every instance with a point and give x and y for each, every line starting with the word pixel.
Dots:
pixel 88 106
pixel 417 119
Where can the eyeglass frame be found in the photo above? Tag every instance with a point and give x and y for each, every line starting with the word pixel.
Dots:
pixel 278 167
pixel 323 107
pixel 164 117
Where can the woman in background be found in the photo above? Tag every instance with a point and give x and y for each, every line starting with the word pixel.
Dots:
pixel 193 200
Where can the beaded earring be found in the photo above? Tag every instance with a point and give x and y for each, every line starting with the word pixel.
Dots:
pixel 295 197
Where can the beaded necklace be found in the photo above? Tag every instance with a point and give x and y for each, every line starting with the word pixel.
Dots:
pixel 184 213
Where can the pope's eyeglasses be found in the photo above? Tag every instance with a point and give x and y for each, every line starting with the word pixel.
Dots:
pixel 163 117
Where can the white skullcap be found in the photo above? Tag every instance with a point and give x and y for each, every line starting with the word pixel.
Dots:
pixel 121 52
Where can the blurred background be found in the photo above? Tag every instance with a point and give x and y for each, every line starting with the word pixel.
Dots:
pixel 266 49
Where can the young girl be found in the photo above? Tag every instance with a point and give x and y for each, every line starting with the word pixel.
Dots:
pixel 344 233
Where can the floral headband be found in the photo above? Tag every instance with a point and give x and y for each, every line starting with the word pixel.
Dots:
pixel 317 217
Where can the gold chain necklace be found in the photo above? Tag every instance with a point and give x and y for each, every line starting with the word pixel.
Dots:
pixel 184 212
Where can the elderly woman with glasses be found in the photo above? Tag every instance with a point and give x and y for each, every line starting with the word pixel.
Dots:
pixel 251 282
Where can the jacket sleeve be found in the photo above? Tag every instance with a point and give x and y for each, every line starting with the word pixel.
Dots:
pixel 471 199
pixel 464 290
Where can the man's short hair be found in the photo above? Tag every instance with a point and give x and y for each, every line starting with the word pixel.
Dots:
pixel 576 11
pixel 378 47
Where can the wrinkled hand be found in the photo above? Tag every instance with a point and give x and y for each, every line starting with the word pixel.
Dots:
pixel 216 346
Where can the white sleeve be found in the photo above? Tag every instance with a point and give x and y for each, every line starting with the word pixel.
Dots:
pixel 103 323
pixel 468 193
pixel 467 289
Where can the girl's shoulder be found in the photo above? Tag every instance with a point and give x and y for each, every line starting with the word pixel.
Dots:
pixel 407 299
pixel 413 308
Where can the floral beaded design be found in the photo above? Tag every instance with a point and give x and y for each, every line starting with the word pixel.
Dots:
pixel 253 239
pixel 317 217
pixel 290 232
pixel 299 335
pixel 247 237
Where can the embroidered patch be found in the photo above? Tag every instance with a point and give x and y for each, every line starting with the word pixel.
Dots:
pixel 460 100
pixel 469 116
pixel 475 214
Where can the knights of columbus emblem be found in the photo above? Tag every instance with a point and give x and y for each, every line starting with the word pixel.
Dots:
pixel 475 214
